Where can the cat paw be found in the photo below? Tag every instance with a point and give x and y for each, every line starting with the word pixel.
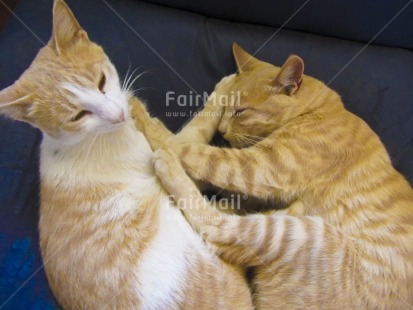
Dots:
pixel 224 82
pixel 162 160
pixel 169 170
pixel 215 227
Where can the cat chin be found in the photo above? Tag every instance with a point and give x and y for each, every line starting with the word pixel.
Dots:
pixel 111 128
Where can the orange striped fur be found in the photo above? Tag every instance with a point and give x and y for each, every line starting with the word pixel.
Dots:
pixel 109 236
pixel 347 239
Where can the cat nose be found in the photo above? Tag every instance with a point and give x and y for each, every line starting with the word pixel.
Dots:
pixel 115 116
pixel 121 118
pixel 222 131
pixel 118 119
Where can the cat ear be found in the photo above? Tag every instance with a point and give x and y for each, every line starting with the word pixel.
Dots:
pixel 13 104
pixel 66 29
pixel 244 61
pixel 291 75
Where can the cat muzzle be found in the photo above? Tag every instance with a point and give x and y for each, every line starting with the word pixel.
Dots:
pixel 112 113
pixel 116 119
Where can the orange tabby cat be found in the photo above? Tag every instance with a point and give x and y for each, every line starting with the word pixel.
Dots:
pixel 347 240
pixel 108 234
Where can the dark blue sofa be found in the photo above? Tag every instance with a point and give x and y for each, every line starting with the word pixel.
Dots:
pixel 363 49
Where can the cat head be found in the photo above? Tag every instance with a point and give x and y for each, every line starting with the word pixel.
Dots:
pixel 266 98
pixel 71 90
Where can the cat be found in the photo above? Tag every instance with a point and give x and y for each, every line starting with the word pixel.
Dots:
pixel 346 240
pixel 109 235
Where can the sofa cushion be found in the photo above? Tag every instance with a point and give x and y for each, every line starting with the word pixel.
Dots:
pixel 354 20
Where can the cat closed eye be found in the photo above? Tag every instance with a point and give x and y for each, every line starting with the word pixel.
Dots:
pixel 238 112
pixel 80 115
pixel 102 83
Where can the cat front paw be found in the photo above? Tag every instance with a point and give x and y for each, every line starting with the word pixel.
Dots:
pixel 224 82
pixel 163 161
pixel 169 170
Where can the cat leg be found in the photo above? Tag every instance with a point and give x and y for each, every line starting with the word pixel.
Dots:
pixel 200 129
pixel 180 186
pixel 276 167
pixel 199 212
pixel 204 125
pixel 245 240
pixel 153 129
pixel 237 170
pixel 250 240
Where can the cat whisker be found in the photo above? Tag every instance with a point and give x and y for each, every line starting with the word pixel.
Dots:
pixel 136 91
pixel 130 80
pixel 240 140
pixel 245 139
pixel 128 77
pixel 253 137
pixel 134 80
pixel 252 140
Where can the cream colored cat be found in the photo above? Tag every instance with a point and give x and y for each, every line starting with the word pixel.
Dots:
pixel 109 235
pixel 347 240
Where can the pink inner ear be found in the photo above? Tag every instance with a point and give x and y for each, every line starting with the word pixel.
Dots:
pixel 291 75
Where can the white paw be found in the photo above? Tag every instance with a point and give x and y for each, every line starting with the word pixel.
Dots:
pixel 167 165
pixel 161 160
